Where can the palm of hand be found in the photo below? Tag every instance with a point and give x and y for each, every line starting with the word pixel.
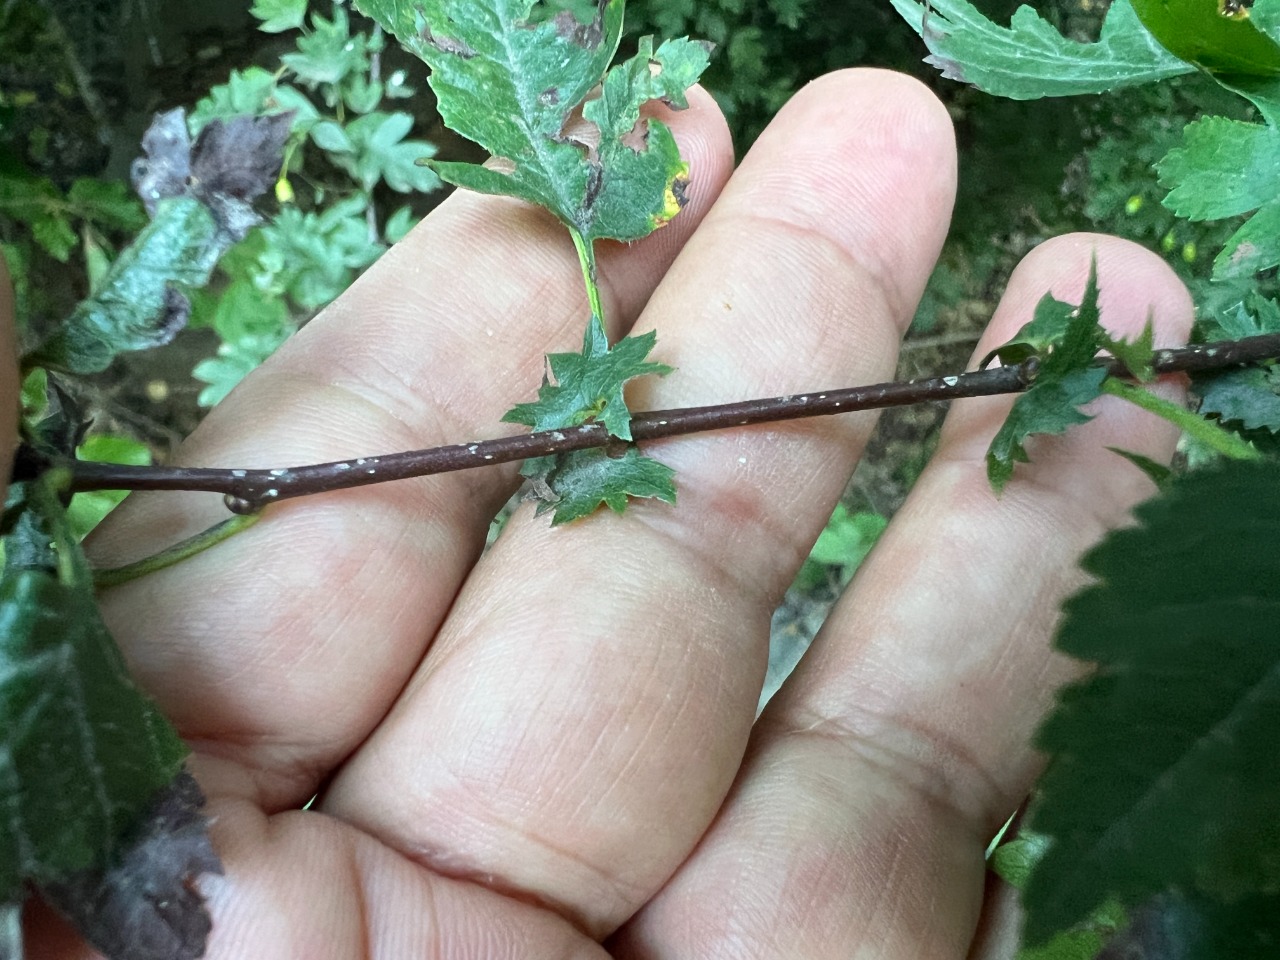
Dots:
pixel 551 752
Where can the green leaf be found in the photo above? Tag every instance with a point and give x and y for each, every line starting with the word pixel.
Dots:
pixel 1135 354
pixel 373 148
pixel 328 54
pixel 1266 17
pixel 1029 59
pixel 1066 340
pixel 97 260
pixel 582 480
pixel 513 85
pixel 35 393
pixel 1014 861
pixel 332 137
pixel 1252 248
pixel 315 256
pixel 223 372
pixel 360 94
pixel 55 235
pixel 1050 406
pixel 1158 473
pixel 1248 397
pixel 252 327
pixel 279 15
pixel 254 92
pixel 398 225
pixel 1199 32
pixel 1247 318
pixel 1047 327
pixel 36 202
pixel 1164 773
pixel 588 386
pixel 82 752
pixel 843 544
pixel 137 306
pixel 107 204
pixel 1223 168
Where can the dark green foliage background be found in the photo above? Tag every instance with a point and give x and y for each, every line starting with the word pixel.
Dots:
pixel 1076 164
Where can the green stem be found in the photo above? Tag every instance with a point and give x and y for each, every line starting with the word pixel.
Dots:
pixel 587 260
pixel 180 551
pixel 1206 431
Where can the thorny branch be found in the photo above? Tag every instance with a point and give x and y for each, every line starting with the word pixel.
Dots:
pixel 247 491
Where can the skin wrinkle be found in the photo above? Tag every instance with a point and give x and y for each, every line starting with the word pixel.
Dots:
pixel 881 141
pixel 915 766
pixel 365 924
pixel 863 278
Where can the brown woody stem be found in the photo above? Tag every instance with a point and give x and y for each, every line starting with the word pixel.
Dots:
pixel 247 491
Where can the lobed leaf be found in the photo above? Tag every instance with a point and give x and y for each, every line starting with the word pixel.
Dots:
pixel 1050 406
pixel 1252 248
pixel 514 85
pixel 279 15
pixel 1248 396
pixel 1066 339
pixel 329 53
pixel 1030 59
pixel 580 481
pixel 1047 326
pixel 36 202
pixel 589 385
pixel 1163 773
pixel 253 92
pixel 373 148
pixel 1223 168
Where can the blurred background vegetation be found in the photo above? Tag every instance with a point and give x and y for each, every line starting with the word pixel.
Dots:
pixel 81 79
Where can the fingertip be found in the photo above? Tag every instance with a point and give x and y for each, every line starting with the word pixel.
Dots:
pixel 876 147
pixel 1134 285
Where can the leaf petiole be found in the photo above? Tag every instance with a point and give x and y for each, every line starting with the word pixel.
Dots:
pixel 587 261
pixel 1206 431
pixel 114 576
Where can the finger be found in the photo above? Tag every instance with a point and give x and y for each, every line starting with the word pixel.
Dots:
pixel 882 769
pixel 277 651
pixel 588 701
pixel 305 887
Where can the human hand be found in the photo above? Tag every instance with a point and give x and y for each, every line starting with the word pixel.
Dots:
pixel 553 747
